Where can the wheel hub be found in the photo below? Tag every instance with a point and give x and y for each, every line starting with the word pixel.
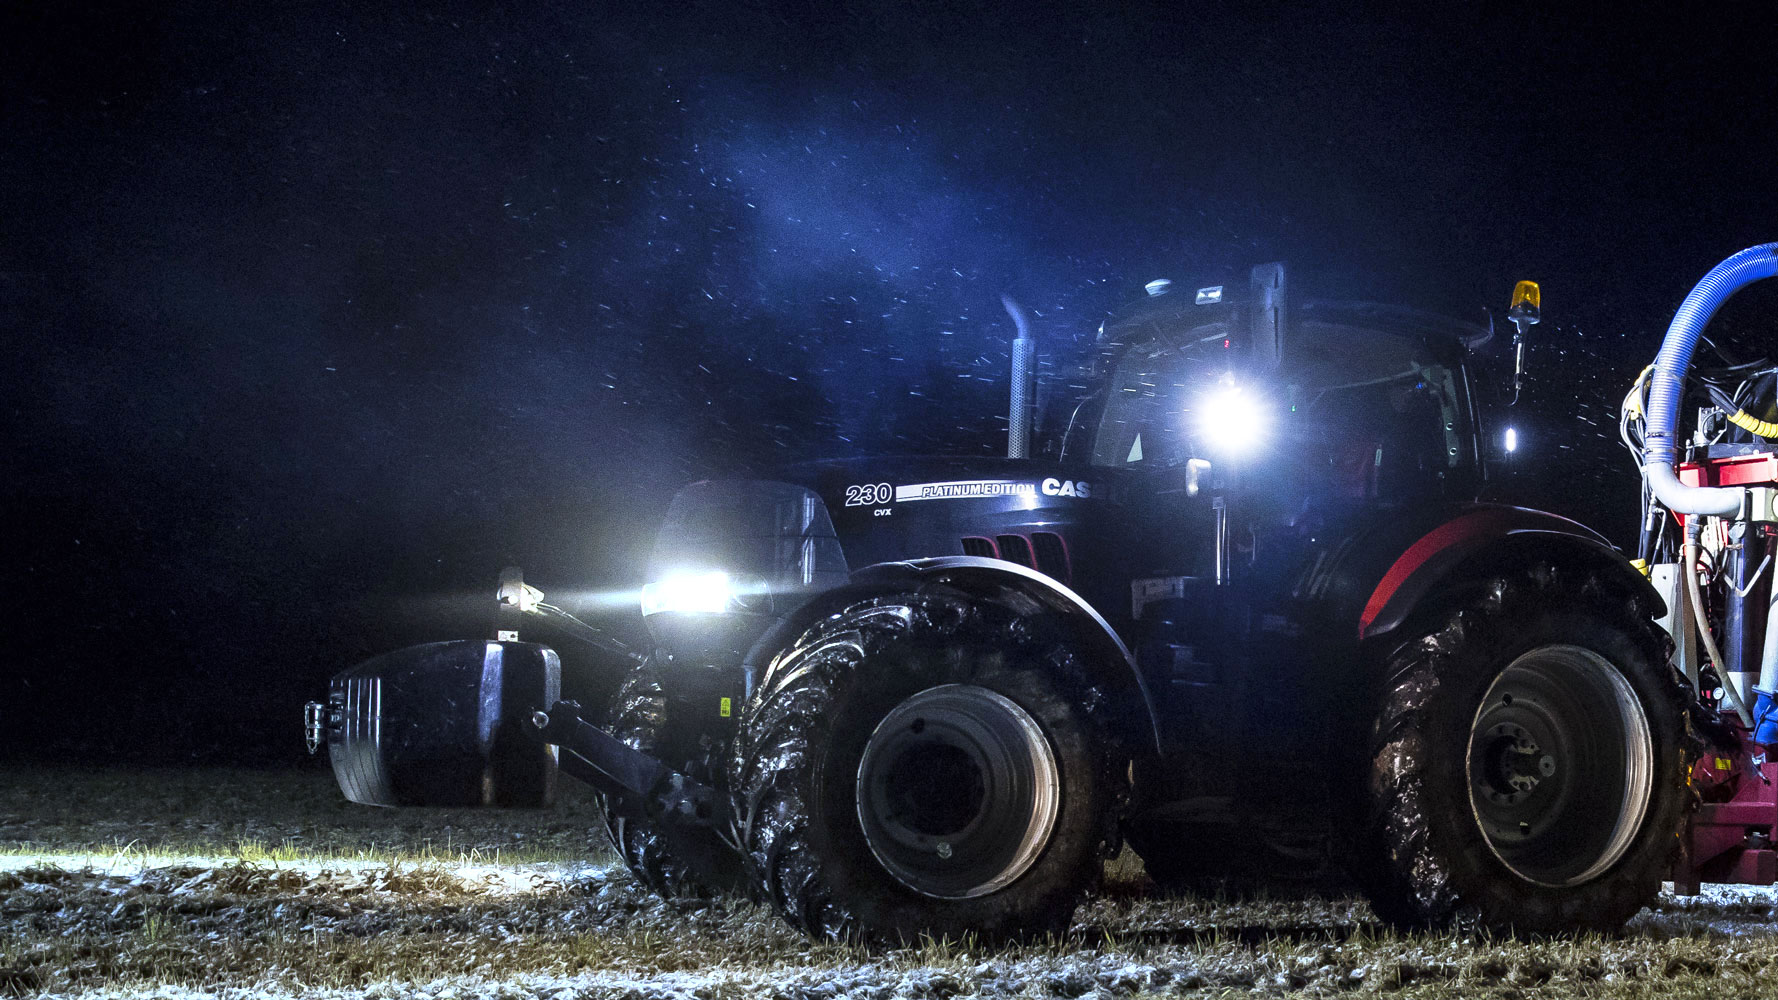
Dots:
pixel 1560 765
pixel 958 791
pixel 1513 763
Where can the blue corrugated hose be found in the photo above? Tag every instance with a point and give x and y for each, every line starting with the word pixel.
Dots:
pixel 1667 383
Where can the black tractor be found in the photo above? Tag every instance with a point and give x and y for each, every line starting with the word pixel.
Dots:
pixel 1235 602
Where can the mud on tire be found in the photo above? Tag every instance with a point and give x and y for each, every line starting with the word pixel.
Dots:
pixel 674 867
pixel 1527 760
pixel 925 764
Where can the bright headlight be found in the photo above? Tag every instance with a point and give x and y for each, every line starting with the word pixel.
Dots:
pixel 1231 419
pixel 711 593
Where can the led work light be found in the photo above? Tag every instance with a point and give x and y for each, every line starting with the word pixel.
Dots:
pixel 1232 419
pixel 709 593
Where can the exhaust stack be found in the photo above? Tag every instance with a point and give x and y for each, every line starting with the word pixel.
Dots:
pixel 1024 382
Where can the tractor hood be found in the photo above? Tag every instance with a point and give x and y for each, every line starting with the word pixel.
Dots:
pixel 1023 510
pixel 734 553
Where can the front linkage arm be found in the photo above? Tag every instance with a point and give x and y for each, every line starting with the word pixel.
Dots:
pixel 635 782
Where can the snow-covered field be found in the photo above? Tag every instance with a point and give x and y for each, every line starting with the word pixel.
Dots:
pixel 359 912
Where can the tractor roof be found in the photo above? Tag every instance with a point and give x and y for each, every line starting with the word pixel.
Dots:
pixel 1178 317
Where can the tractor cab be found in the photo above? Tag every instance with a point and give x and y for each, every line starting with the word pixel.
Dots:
pixel 1249 434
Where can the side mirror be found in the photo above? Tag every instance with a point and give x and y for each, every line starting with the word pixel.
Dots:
pixel 1268 315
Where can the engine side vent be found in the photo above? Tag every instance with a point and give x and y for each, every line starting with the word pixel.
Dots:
pixel 1014 548
pixel 1052 555
pixel 980 547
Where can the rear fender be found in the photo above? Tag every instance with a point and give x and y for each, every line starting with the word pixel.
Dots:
pixel 1010 585
pixel 1451 550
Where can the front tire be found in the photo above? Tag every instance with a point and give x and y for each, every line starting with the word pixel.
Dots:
pixel 1527 762
pixel 924 764
pixel 676 865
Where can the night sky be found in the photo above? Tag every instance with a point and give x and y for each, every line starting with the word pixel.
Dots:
pixel 316 316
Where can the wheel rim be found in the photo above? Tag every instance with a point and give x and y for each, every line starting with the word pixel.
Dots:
pixel 958 791
pixel 1560 765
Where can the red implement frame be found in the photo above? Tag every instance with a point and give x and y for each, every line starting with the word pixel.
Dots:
pixel 1729 838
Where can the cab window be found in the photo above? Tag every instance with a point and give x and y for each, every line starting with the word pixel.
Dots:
pixel 1355 413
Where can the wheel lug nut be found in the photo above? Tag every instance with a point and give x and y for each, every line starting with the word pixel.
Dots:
pixel 944 850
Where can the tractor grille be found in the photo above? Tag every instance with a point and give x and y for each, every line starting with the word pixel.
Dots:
pixel 980 547
pixel 1051 554
pixel 1044 551
pixel 1014 548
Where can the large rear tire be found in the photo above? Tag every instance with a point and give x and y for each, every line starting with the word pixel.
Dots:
pixel 1527 761
pixel 675 865
pixel 924 764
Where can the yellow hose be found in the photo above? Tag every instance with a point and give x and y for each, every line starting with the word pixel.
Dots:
pixel 1633 401
pixel 1753 425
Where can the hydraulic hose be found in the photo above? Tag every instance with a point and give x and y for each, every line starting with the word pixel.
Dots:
pixel 1667 383
pixel 1754 425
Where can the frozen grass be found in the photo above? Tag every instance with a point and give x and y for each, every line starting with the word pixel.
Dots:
pixel 268 817
pixel 364 906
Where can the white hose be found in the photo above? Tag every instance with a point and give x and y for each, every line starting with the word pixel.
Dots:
pixel 1694 598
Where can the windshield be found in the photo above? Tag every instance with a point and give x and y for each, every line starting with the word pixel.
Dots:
pixel 1360 413
pixel 1151 399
